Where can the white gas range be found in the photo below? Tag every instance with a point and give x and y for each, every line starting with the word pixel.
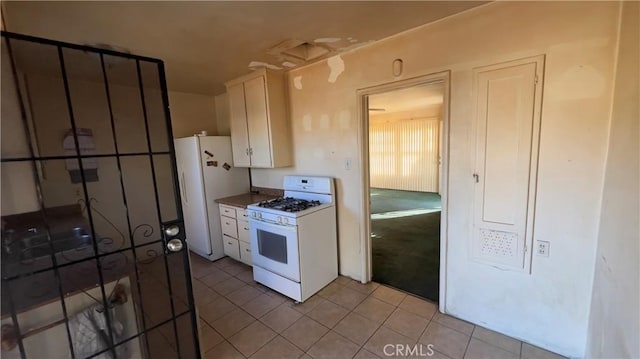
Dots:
pixel 294 238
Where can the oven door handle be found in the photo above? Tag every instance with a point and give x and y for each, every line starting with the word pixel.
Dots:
pixel 272 224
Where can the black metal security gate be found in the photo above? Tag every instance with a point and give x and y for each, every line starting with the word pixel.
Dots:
pixel 94 263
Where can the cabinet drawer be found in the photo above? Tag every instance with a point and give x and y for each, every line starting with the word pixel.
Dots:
pixel 243 231
pixel 229 226
pixel 241 214
pixel 227 211
pixel 231 247
pixel 245 252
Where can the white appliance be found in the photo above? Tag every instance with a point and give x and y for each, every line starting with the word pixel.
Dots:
pixel 206 172
pixel 294 244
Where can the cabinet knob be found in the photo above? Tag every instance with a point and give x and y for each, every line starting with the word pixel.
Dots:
pixel 229 243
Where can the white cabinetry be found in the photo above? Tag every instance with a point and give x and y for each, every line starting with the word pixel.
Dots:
pixel 260 129
pixel 235 233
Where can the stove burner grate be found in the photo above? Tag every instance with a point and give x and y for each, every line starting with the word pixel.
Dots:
pixel 289 204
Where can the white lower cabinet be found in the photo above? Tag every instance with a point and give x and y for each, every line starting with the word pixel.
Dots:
pixel 243 231
pixel 229 227
pixel 235 230
pixel 245 252
pixel 231 247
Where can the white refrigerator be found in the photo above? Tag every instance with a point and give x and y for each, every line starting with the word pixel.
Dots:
pixel 206 173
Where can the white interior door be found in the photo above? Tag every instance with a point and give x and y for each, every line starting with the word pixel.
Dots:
pixel 506 151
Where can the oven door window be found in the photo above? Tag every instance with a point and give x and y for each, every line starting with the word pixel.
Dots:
pixel 272 246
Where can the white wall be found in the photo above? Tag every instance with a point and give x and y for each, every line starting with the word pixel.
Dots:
pixel 18 186
pixel 192 113
pixel 222 115
pixel 614 329
pixel 550 306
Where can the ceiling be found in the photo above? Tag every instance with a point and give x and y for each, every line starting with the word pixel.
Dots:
pixel 204 44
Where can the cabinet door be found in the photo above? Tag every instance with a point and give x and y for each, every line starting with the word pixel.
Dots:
pixel 258 122
pixel 507 100
pixel 229 226
pixel 239 134
pixel 245 253
pixel 241 214
pixel 231 247
pixel 243 231
pixel 228 211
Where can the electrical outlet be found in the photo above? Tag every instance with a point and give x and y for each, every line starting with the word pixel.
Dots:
pixel 543 248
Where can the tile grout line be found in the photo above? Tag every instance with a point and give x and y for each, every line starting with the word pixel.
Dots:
pixel 335 333
pixel 466 348
pixel 459 331
pixel 521 345
pixel 519 354
pixel 263 345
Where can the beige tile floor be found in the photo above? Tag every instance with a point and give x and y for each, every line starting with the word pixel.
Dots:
pixel 240 318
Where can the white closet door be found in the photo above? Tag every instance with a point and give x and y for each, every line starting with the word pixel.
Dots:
pixel 507 115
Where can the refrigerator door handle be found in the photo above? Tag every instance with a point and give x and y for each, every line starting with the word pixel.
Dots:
pixel 184 189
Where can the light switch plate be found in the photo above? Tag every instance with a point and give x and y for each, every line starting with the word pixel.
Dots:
pixel 347 164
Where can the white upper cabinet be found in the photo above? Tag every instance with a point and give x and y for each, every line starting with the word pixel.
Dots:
pixel 240 135
pixel 260 130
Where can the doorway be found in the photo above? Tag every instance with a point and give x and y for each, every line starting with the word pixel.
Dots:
pixel 405 148
pixel 94 259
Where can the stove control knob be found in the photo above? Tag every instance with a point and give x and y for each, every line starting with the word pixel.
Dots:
pixel 254 214
pixel 259 215
pixel 285 220
pixel 279 219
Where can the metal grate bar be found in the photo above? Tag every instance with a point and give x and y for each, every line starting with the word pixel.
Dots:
pixel 155 192
pixel 47 158
pixel 105 304
pixel 185 252
pixel 122 188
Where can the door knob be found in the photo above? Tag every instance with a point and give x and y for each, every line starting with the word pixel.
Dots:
pixel 175 245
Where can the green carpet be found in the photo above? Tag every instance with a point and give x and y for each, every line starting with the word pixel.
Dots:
pixel 406 240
